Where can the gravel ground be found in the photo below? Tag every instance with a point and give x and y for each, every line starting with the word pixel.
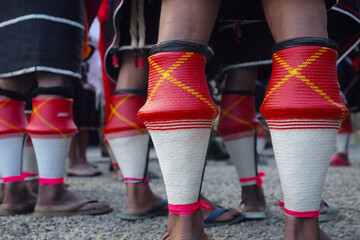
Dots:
pixel 220 185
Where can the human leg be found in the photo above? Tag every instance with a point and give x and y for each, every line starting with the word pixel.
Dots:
pixel 129 139
pixel 313 108
pixel 17 198
pixel 237 126
pixel 187 21
pixel 50 127
pixel 78 164
pixel 198 21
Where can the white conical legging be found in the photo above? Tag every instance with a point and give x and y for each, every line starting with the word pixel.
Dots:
pixel 10 161
pixel 51 155
pixel 131 154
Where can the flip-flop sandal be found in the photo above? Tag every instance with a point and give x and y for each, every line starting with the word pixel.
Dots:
pixel 6 212
pixel 253 215
pixel 209 221
pixel 331 214
pixel 94 207
pixel 167 236
pixel 155 212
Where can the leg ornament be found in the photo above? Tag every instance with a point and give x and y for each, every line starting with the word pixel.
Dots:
pixel 51 127
pixel 303 110
pixel 127 136
pixel 179 114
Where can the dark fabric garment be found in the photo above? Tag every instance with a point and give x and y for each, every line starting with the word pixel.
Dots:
pixel 119 36
pixel 86 113
pixel 250 43
pixel 38 36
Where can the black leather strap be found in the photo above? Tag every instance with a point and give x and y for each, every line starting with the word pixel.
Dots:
pixel 13 95
pixel 305 41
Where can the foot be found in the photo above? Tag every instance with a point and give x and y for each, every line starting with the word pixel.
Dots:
pixel 117 175
pixel 303 228
pixel 226 216
pixel 253 199
pixel 56 200
pixel 140 199
pixel 341 159
pixel 82 170
pixel 33 185
pixel 188 227
pixel 17 199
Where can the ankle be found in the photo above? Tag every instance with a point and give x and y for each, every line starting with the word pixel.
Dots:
pixel 301 228
pixel 186 226
pixel 139 191
pixel 50 193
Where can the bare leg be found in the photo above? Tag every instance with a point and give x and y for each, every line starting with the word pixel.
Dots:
pixel 54 196
pixel 292 19
pixel 244 79
pixel 296 18
pixel 191 21
pixel 16 197
pixel 78 164
pixel 140 198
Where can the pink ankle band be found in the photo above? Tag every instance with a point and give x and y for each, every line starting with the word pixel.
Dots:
pixel 115 164
pixel 51 181
pixel 26 175
pixel 187 209
pixel 136 180
pixel 306 214
pixel 12 179
pixel 258 179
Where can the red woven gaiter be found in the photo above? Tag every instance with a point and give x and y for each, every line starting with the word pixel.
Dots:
pixel 12 125
pixel 122 120
pixel 12 118
pixel 51 116
pixel 177 86
pixel 304 85
pixel 346 126
pixel 237 117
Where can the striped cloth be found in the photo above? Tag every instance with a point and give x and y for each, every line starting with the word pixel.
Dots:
pixel 41 35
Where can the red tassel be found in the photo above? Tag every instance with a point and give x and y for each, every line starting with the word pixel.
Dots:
pixel 141 62
pixel 115 61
